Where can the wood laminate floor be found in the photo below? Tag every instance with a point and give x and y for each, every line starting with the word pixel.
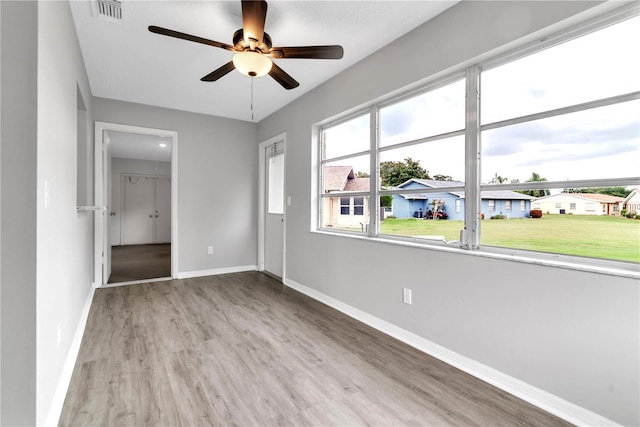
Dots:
pixel 242 349
pixel 140 262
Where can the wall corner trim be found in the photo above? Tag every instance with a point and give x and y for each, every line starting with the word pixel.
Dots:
pixel 533 395
pixel 65 377
pixel 216 271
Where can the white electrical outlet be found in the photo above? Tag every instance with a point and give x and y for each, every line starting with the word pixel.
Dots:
pixel 210 250
pixel 406 295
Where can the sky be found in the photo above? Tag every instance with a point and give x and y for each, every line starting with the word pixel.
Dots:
pixel 592 144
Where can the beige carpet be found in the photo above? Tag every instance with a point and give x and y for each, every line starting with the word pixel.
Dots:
pixel 139 262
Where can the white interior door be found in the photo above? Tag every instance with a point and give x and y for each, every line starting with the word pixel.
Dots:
pixel 162 232
pixel 138 213
pixel 274 209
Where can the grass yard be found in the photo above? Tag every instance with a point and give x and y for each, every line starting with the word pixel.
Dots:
pixel 592 236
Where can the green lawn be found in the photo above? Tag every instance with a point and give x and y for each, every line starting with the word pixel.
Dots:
pixel 593 236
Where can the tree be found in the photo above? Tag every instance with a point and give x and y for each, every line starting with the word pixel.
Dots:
pixel 386 201
pixel 535 177
pixel 440 177
pixel 611 191
pixel 497 179
pixel 361 174
pixel 393 174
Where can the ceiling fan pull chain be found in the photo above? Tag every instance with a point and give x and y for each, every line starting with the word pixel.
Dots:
pixel 251 98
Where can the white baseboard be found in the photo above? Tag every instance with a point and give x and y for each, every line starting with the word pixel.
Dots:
pixel 216 271
pixel 538 397
pixel 65 377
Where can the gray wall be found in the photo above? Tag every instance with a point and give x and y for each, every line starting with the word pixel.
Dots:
pixel 574 334
pixel 217 182
pixel 120 166
pixel 64 236
pixel 18 141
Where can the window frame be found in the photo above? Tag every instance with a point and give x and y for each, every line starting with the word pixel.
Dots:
pixel 470 234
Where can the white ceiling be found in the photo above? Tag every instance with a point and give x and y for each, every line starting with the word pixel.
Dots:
pixel 126 62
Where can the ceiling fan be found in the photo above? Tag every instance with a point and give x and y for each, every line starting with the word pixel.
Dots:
pixel 254 49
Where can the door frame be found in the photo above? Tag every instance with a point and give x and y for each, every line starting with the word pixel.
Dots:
pixel 262 212
pixel 100 223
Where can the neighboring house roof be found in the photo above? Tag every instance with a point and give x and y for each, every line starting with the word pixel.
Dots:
pixel 602 198
pixel 342 178
pixel 504 195
pixel 416 196
pixel 334 178
pixel 357 184
pixel 431 183
pixel 631 196
pixel 485 195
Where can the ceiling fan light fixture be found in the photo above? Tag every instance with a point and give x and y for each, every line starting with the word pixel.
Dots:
pixel 252 64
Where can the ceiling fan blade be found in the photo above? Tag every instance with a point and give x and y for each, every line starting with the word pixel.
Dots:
pixel 189 37
pixel 220 72
pixel 311 52
pixel 285 80
pixel 254 14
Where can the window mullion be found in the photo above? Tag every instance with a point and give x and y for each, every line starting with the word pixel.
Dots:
pixel 470 236
pixel 374 180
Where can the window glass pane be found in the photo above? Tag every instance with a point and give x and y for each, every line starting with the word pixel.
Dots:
pixel 441 160
pixel 598 65
pixel 592 144
pixel 351 174
pixel 590 222
pixel 345 205
pixel 432 113
pixel 346 138
pixel 358 206
pixel 343 213
pixel 275 166
pixel 434 216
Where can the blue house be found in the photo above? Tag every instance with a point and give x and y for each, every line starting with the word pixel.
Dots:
pixel 494 202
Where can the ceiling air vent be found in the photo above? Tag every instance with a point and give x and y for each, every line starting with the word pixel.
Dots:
pixel 110 9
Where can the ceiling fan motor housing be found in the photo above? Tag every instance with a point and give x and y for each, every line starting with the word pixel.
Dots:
pixel 241 44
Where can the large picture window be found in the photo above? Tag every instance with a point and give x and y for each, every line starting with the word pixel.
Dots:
pixel 509 153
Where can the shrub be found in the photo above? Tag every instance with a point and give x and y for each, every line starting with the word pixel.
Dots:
pixel 497 216
pixel 536 213
pixel 623 212
pixel 638 216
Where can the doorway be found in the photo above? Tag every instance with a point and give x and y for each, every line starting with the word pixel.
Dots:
pixel 271 229
pixel 136 190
